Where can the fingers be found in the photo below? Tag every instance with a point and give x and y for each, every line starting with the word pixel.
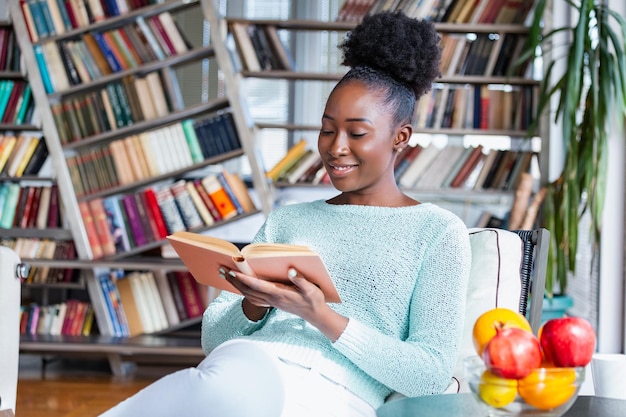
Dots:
pixel 258 298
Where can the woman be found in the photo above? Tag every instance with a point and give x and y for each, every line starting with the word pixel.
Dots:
pixel 400 266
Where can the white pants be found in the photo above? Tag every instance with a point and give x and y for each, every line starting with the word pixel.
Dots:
pixel 241 379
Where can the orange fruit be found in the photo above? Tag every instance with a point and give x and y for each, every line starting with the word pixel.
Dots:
pixel 490 321
pixel 547 388
pixel 496 391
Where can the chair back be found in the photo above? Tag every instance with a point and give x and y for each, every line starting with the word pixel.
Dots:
pixel 10 297
pixel 506 267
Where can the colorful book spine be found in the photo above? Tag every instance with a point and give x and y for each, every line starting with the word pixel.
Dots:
pixel 132 215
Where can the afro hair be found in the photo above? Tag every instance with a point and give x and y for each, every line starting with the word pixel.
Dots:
pixel 407 49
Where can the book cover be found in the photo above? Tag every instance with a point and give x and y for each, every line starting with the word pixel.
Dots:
pixel 24 202
pixel 154 213
pixel 70 66
pixel 109 51
pixel 10 203
pixel 117 227
pixel 161 35
pixel 206 199
pixel 156 303
pixel 169 210
pixel 110 303
pixel 230 192
pixel 41 222
pixel 172 281
pixel 219 196
pixel 90 228
pixel 245 46
pixel 96 295
pixel 132 216
pixel 133 317
pixel 202 209
pixel 146 33
pixel 137 44
pixel 26 156
pixel 171 31
pixel 293 154
pixel 192 141
pixel 469 165
pixel 13 101
pixel 240 190
pixel 190 295
pixel 96 53
pixel 185 205
pixel 204 255
pixel 32 216
pixel 141 296
pixel 36 161
pixel 24 105
pixel 54 217
pixel 167 298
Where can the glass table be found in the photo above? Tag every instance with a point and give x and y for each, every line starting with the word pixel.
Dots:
pixel 465 405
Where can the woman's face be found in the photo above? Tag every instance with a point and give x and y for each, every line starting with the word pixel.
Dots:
pixel 357 141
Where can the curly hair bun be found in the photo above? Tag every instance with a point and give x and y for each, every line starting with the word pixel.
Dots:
pixel 407 49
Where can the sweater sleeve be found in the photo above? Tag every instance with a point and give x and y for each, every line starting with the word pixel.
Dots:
pixel 224 320
pixel 423 363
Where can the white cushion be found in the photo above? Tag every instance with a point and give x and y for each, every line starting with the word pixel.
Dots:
pixel 494 282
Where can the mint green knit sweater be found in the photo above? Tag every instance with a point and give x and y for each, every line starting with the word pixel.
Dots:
pixel 402 275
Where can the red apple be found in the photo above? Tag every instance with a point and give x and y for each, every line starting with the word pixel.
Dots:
pixel 512 353
pixel 568 341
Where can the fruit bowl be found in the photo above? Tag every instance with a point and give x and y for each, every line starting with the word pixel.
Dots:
pixel 546 392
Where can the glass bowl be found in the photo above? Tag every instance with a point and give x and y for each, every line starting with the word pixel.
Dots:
pixel 546 392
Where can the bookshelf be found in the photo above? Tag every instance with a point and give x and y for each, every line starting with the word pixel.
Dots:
pixel 477 70
pixel 28 197
pixel 116 151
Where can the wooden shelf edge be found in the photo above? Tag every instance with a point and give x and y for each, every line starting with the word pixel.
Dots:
pixel 144 344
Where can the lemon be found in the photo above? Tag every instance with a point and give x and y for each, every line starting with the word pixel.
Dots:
pixel 496 391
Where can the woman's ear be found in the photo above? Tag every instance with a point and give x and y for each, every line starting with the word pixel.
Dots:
pixel 402 137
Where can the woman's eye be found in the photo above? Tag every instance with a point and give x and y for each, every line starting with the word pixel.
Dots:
pixel 325 132
pixel 357 135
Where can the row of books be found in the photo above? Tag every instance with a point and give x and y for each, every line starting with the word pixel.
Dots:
pixel 117 224
pixel 95 54
pixel 29 206
pixel 37 248
pixel 299 165
pixel 45 18
pixel 129 303
pixel 22 155
pixel 479 107
pixel 418 167
pixel 452 11
pixel 152 153
pixel 16 103
pixel 9 52
pixel 70 318
pixel 114 106
pixel 432 167
pixel 260 47
pixel 483 54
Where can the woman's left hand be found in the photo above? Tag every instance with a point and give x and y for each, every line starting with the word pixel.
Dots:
pixel 301 298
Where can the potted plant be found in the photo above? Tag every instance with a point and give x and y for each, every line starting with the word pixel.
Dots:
pixel 589 93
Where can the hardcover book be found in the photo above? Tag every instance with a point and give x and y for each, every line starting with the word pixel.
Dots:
pixel 204 255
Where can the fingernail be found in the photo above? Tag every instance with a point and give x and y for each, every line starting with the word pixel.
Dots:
pixel 292 273
pixel 232 274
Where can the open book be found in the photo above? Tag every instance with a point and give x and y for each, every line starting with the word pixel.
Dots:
pixel 203 255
